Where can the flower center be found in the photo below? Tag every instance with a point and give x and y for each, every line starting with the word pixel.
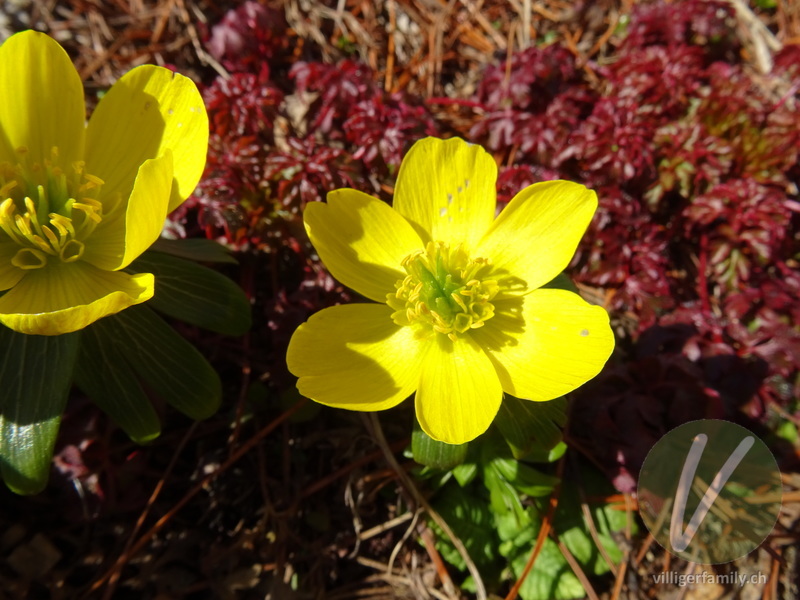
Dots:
pixel 46 210
pixel 445 290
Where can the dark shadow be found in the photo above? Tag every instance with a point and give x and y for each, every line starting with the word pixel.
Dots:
pixel 618 417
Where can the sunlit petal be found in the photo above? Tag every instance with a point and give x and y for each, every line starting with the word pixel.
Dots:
pixel 70 296
pixel 536 235
pixel 547 343
pixel 361 240
pixel 459 392
pixel 355 357
pixel 149 111
pixel 129 231
pixel 446 188
pixel 42 105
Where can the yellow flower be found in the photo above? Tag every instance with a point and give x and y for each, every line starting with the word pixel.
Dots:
pixel 462 315
pixel 78 202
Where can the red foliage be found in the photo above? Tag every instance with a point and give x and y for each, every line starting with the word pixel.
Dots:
pixel 305 172
pixel 248 38
pixel 381 127
pixel 350 106
pixel 742 226
pixel 534 105
pixel 696 167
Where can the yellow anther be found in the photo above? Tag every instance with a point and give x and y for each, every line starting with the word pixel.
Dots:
pixel 62 224
pixel 42 243
pixel 460 302
pixel 89 210
pixel 23 223
pixel 54 241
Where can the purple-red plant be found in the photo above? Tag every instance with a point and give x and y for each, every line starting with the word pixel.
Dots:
pixel 248 38
pixel 741 225
pixel 380 129
pixel 338 86
pixel 304 172
pixel 533 104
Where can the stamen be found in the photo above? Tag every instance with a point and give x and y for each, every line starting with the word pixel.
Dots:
pixel 63 224
pixel 34 218
pixel 54 241
pixel 92 212
pixel 29 259
pixel 39 218
pixel 7 210
pixel 445 290
pixel 72 251
pixel 42 243
pixel 7 188
pixel 23 223
pixel 94 179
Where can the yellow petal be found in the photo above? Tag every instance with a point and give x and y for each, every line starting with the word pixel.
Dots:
pixel 126 233
pixel 446 188
pixel 148 111
pixel 9 274
pixel 69 296
pixel 42 103
pixel 361 241
pixel 547 343
pixel 459 393
pixel 355 357
pixel 536 235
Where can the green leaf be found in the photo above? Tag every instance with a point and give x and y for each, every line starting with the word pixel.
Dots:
pixel 465 473
pixel 167 364
pixel 471 520
pixel 431 453
pixel 35 375
pixel 551 576
pixel 106 377
pixel 524 478
pixel 555 452
pixel 573 528
pixel 503 497
pixel 787 431
pixel 196 249
pixel 531 426
pixel 195 294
